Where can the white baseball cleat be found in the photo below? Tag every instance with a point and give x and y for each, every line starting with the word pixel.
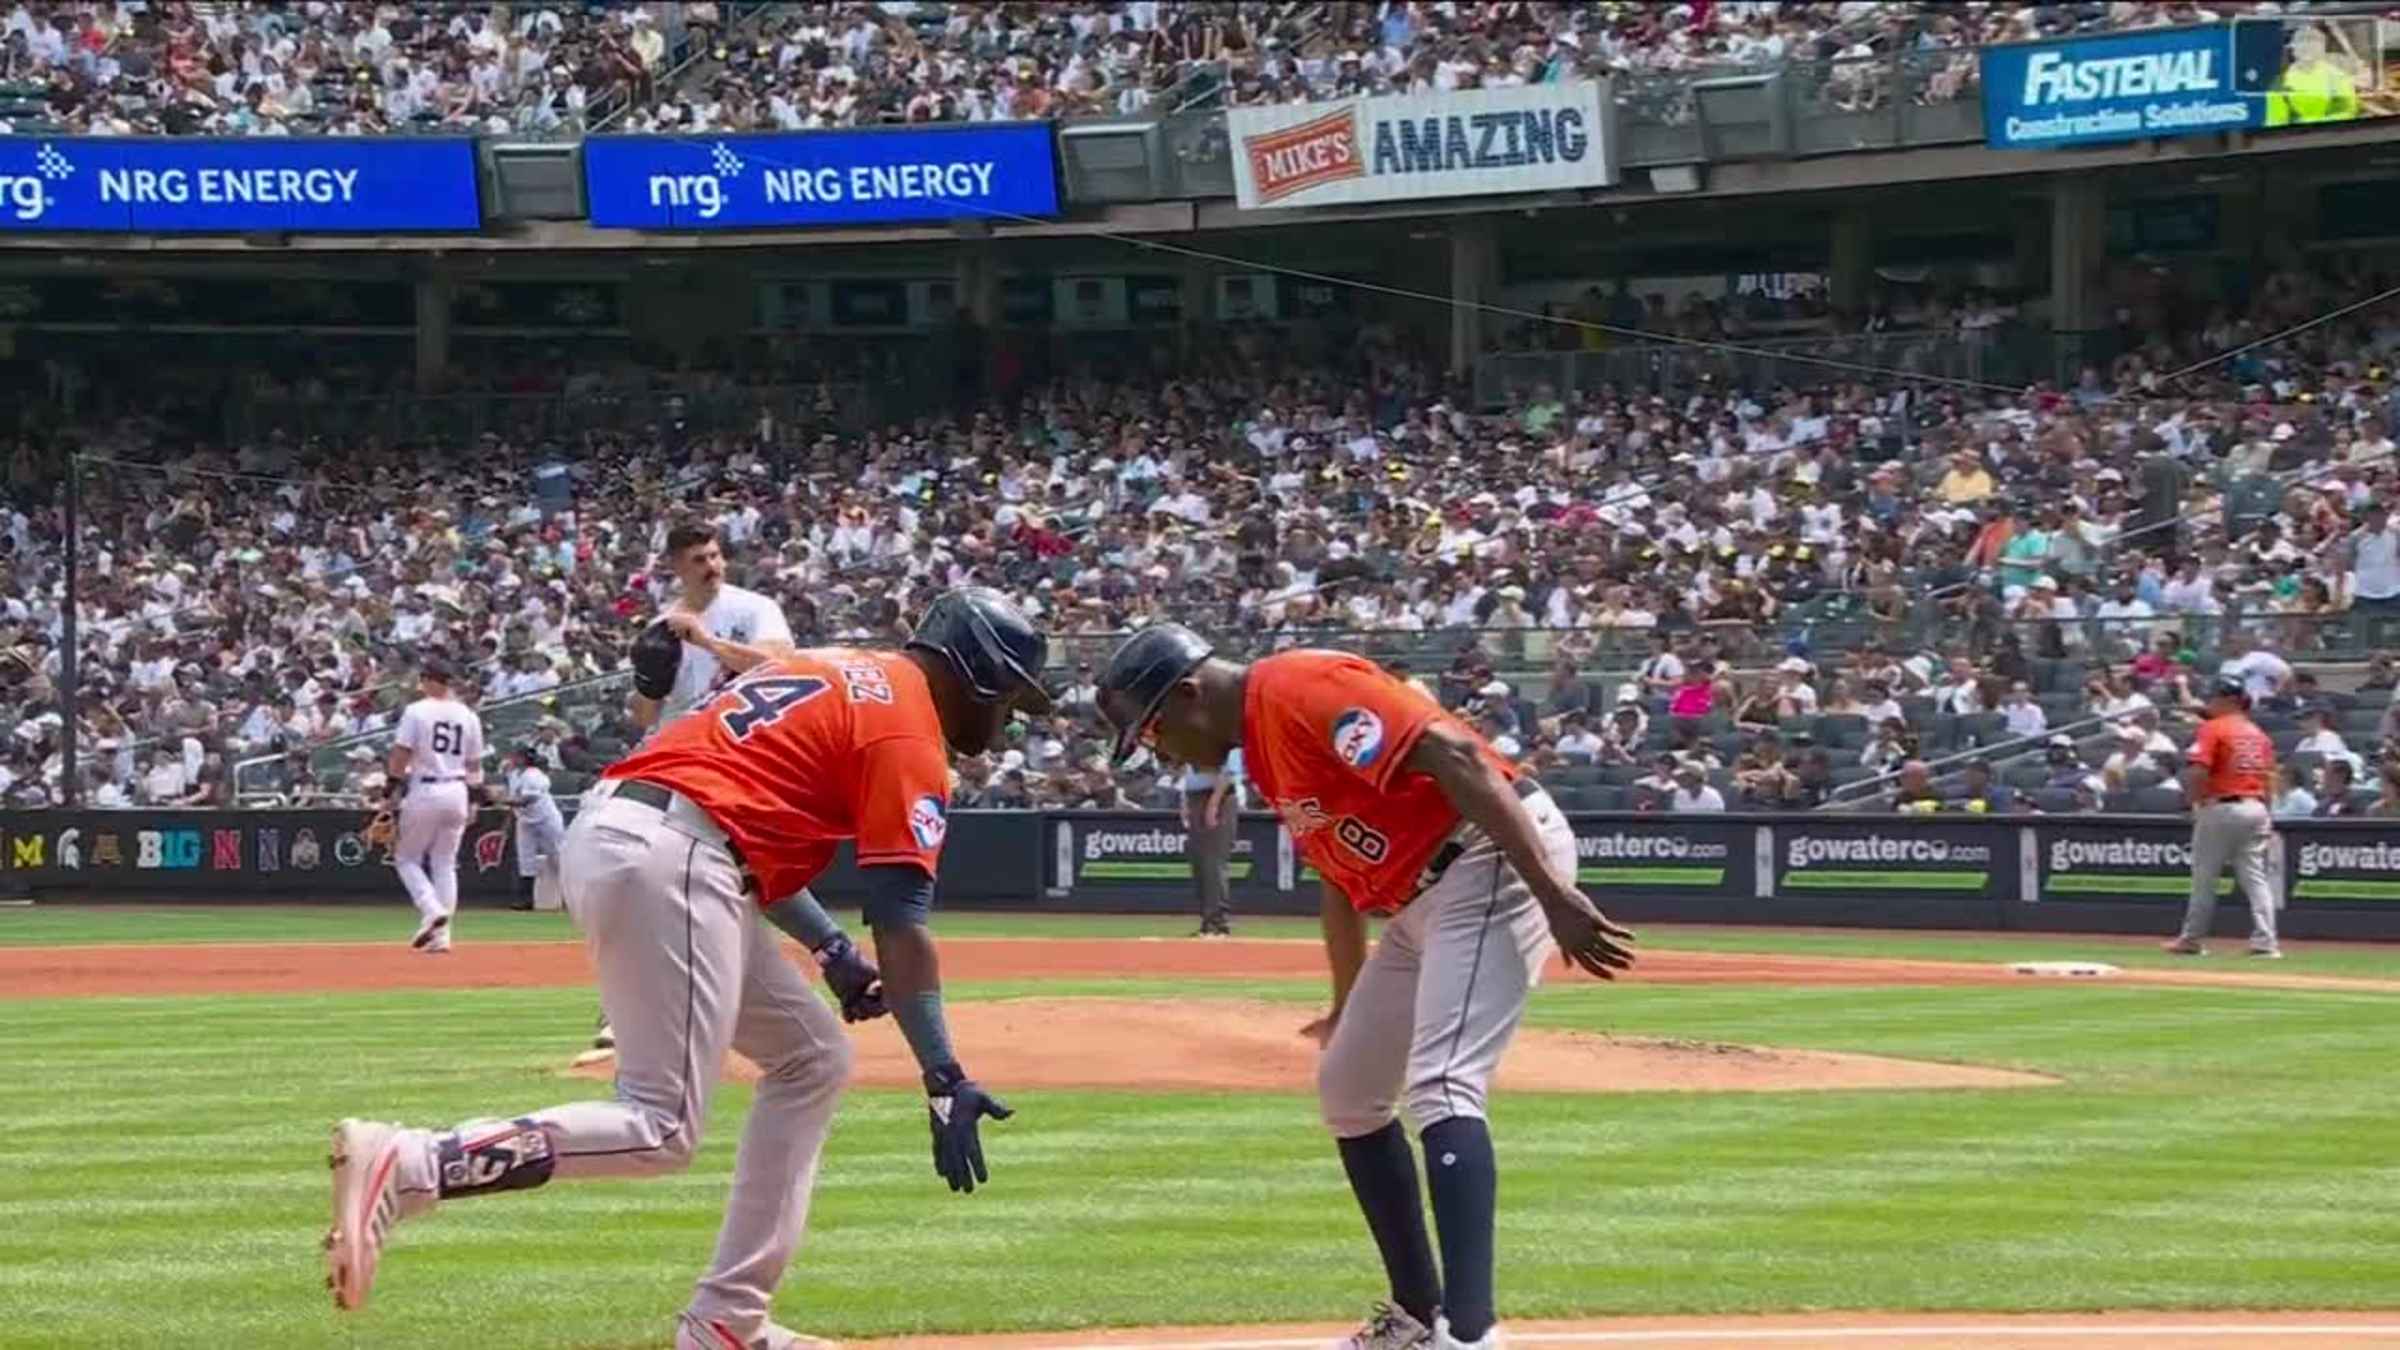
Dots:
pixel 435 929
pixel 1387 1327
pixel 693 1334
pixel 365 1159
pixel 1490 1340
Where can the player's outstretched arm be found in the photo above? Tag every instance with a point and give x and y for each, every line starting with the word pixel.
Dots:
pixel 899 901
pixel 1451 757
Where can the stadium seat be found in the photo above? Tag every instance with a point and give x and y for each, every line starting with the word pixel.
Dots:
pixel 2159 801
pixel 1843 731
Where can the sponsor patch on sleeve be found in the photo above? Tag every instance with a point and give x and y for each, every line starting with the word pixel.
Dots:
pixel 928 821
pixel 1358 737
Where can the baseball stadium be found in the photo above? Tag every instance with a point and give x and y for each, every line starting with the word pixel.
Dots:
pixel 1194 675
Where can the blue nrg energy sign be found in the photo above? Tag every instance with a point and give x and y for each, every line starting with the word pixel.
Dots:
pixel 2132 86
pixel 820 178
pixel 286 184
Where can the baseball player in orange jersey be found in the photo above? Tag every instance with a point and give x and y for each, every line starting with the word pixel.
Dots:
pixel 666 867
pixel 1403 811
pixel 2231 768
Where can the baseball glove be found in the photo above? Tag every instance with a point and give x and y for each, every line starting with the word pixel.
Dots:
pixel 657 655
pixel 378 833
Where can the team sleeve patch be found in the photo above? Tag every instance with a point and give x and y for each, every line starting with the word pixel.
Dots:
pixel 1357 737
pixel 928 821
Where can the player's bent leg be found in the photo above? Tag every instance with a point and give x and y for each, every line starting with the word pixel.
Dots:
pixel 804 1062
pixel 1486 943
pixel 665 918
pixel 1358 1093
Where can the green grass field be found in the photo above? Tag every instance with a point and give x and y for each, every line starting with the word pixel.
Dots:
pixel 162 1179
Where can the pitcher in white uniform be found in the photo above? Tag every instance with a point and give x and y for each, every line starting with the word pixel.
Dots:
pixel 436 758
pixel 725 630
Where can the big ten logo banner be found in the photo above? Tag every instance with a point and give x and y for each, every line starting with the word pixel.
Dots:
pixel 170 850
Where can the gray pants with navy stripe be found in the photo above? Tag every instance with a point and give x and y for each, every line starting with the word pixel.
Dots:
pixel 1443 991
pixel 688 968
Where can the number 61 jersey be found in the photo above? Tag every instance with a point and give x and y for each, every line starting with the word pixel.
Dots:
pixel 802 752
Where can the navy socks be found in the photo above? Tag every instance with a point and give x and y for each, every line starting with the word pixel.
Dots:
pixel 1383 1175
pixel 1465 1183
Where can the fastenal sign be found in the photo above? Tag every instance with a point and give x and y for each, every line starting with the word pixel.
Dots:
pixel 1538 138
pixel 2122 87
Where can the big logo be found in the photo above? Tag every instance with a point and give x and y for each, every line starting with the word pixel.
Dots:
pixel 489 846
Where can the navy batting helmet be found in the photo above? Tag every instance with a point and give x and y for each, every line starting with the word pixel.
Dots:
pixel 1139 674
pixel 990 643
pixel 2231 688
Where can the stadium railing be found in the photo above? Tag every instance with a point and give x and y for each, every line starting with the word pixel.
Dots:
pixel 459 418
pixel 1507 379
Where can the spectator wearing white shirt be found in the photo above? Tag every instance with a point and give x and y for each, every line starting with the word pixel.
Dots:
pixel 2024 716
pixel 2293 800
pixel 2262 673
pixel 2317 737
pixel 1692 792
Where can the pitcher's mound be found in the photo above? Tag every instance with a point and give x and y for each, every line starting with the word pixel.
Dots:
pixel 1203 1045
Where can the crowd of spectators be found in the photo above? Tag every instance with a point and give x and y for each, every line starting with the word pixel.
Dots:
pixel 127 67
pixel 124 68
pixel 1802 587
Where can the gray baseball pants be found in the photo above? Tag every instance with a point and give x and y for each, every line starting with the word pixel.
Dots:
pixel 688 968
pixel 1210 849
pixel 2234 833
pixel 1443 991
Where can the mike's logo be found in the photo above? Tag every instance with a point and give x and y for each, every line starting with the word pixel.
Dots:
pixel 27 196
pixel 1297 158
pixel 703 191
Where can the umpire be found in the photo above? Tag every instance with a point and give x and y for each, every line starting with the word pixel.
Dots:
pixel 1212 803
pixel 2230 773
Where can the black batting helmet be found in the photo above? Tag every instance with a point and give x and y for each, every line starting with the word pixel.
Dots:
pixel 2231 688
pixel 990 643
pixel 1141 671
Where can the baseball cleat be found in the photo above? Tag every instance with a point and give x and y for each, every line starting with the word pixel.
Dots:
pixel 364 1158
pixel 429 930
pixel 693 1334
pixel 2179 947
pixel 1388 1327
pixel 604 1036
pixel 2267 953
pixel 1490 1340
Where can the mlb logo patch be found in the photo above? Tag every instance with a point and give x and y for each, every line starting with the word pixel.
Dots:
pixel 928 822
pixel 1358 737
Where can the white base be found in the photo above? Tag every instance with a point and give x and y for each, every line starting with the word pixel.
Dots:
pixel 2065 969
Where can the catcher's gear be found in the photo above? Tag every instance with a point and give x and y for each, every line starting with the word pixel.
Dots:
pixel 657 655
pixel 990 643
pixel 380 829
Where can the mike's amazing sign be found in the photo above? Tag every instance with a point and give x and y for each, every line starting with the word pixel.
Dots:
pixel 1536 138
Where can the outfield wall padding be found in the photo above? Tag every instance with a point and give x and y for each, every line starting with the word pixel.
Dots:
pixel 2340 878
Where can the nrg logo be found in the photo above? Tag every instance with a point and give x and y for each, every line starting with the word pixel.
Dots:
pixel 27 196
pixel 703 190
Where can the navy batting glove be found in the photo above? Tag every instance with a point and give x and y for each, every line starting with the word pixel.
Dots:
pixel 854 980
pixel 956 1107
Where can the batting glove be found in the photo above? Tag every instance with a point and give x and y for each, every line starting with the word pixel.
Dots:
pixel 956 1107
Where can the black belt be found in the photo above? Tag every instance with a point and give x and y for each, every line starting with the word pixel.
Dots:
pixel 1452 849
pixel 661 799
